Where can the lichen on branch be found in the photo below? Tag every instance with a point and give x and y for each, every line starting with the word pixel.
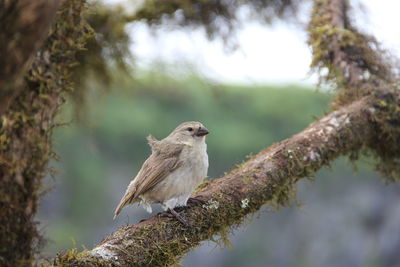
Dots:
pixel 355 65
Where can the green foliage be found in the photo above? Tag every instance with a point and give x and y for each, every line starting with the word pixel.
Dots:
pixel 108 48
pixel 219 18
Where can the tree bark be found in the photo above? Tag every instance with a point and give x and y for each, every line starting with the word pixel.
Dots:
pixel 355 63
pixel 24 26
pixel 26 125
pixel 357 67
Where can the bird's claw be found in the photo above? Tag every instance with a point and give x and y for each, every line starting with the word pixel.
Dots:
pixel 172 213
pixel 195 201
pixel 165 214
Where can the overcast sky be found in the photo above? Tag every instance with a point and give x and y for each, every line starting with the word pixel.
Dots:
pixel 276 54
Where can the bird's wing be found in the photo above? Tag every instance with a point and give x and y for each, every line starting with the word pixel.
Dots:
pixel 153 171
pixel 157 167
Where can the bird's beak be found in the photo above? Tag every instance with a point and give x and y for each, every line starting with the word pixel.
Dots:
pixel 202 131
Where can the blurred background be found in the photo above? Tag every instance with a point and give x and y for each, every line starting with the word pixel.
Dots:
pixel 250 91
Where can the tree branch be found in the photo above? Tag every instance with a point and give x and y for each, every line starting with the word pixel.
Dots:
pixel 341 59
pixel 265 178
pixel 357 69
pixel 24 25
pixel 366 119
pixel 356 66
pixel 355 62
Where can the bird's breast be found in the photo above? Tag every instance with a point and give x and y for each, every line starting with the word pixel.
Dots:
pixel 196 160
pixel 181 182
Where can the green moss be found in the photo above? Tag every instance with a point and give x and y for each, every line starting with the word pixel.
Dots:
pixel 361 52
pixel 357 51
pixel 385 145
pixel 201 186
pixel 78 259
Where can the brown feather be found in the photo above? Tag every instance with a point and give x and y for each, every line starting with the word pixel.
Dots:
pixel 153 142
pixel 154 170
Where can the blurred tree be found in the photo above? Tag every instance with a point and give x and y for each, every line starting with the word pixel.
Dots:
pixel 109 50
pixel 366 117
pixel 20 40
pixel 34 77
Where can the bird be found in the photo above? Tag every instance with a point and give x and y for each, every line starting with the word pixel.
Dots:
pixel 178 164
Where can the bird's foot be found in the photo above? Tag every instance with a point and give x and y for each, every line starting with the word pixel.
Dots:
pixel 196 201
pixel 177 216
pixel 165 214
pixel 171 213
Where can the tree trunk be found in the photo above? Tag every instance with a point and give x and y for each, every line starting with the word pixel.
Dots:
pixel 26 125
pixel 24 25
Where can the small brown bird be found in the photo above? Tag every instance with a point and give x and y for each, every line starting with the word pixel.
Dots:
pixel 177 165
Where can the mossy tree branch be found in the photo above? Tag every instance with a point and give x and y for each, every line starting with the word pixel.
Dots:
pixel 267 177
pixel 368 108
pixel 353 62
pixel 356 66
pixel 24 26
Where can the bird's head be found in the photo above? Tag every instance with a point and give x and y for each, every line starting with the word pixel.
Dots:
pixel 190 130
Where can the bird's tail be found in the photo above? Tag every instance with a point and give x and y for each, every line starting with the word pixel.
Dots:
pixel 118 209
pixel 128 198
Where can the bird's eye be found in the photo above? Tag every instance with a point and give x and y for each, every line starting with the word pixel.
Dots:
pixel 190 129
